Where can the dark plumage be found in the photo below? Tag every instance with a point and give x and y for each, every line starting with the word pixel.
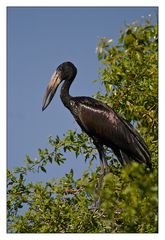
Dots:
pixel 99 121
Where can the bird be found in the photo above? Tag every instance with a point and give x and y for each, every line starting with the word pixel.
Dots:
pixel 99 121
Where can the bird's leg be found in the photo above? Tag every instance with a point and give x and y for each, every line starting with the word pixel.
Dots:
pixel 103 160
pixel 104 169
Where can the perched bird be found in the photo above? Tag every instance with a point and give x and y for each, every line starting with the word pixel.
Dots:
pixel 99 121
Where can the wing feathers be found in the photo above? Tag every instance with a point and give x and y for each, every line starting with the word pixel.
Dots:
pixel 103 123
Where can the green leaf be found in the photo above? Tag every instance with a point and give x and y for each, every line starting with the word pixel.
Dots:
pixel 43 169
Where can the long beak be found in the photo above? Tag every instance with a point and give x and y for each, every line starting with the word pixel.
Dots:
pixel 51 89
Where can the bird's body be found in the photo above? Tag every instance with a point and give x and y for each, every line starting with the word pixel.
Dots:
pixel 100 122
pixel 106 127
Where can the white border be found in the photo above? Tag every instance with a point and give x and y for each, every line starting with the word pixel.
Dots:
pixel 3 120
pixel 80 3
pixel 37 3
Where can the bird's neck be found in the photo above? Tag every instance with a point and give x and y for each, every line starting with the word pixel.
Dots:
pixel 65 96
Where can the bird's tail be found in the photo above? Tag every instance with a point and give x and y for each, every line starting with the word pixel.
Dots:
pixel 143 154
pixel 141 151
pixel 122 157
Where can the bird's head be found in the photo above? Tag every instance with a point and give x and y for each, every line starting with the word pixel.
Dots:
pixel 65 71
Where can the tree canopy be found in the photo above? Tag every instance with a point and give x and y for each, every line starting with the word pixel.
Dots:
pixel 128 198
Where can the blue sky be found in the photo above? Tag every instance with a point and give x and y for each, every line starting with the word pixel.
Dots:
pixel 39 39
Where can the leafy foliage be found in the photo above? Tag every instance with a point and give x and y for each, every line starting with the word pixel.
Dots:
pixel 130 200
pixel 130 78
pixel 127 200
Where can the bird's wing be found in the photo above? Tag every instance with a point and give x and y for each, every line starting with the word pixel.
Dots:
pixel 134 132
pixel 139 144
pixel 101 121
